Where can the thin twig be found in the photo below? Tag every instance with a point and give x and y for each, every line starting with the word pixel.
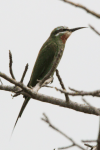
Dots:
pixel 46 119
pixel 83 7
pixel 66 147
pixel 1 82
pixel 62 84
pixel 77 93
pixel 88 145
pixel 98 143
pixel 74 90
pixel 91 106
pixel 94 29
pixel 45 98
pixel 10 64
pixel 18 93
pixel 60 80
pixel 24 73
pixel 94 148
pixel 88 141
pixel 84 93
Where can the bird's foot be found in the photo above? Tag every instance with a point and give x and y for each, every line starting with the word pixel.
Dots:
pixel 37 87
pixel 30 87
pixel 50 80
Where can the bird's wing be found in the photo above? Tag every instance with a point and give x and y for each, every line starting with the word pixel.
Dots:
pixel 43 62
pixel 42 66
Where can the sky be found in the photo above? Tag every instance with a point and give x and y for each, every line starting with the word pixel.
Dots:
pixel 24 27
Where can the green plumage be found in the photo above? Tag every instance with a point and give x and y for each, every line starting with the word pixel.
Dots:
pixel 46 57
pixel 43 64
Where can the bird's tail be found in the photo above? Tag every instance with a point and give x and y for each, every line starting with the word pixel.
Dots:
pixel 21 111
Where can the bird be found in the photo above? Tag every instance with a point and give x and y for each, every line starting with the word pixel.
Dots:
pixel 46 57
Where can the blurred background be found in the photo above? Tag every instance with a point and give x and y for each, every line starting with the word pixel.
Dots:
pixel 24 27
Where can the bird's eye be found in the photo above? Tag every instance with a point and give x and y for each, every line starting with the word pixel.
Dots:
pixel 58 31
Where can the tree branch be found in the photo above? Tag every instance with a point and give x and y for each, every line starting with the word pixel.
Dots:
pixel 1 82
pixel 89 141
pixel 98 141
pixel 89 146
pixel 83 7
pixel 94 29
pixel 76 92
pixel 84 93
pixel 66 147
pixel 24 73
pixel 46 119
pixel 62 84
pixel 48 99
pixel 91 106
pixel 10 64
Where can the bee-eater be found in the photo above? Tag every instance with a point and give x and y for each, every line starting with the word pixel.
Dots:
pixel 46 57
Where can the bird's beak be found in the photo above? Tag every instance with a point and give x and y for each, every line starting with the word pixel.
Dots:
pixel 74 29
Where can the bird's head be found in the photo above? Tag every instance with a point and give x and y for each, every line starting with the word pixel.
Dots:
pixel 63 33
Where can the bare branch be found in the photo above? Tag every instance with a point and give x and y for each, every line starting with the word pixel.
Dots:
pixel 84 93
pixel 74 90
pixel 91 106
pixel 10 64
pixel 24 73
pixel 94 148
pixel 48 99
pixel 62 84
pixel 18 93
pixel 88 145
pixel 77 93
pixel 98 143
pixel 83 7
pixel 45 119
pixel 60 80
pixel 66 147
pixel 1 82
pixel 89 141
pixel 8 88
pixel 94 29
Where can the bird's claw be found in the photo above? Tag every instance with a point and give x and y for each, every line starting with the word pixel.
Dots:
pixel 50 80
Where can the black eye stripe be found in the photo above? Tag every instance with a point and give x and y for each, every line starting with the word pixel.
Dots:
pixel 60 30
